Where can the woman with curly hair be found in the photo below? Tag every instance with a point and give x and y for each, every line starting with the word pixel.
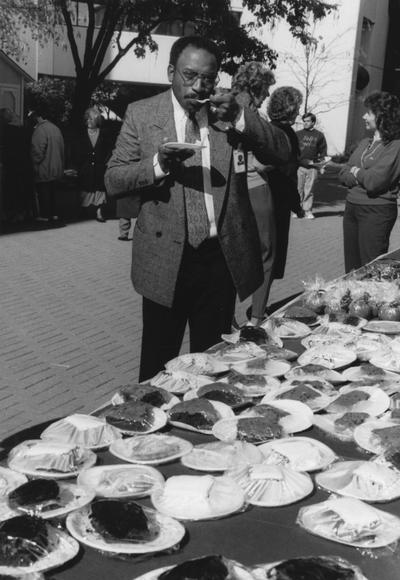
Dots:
pixel 251 86
pixel 372 177
pixel 283 109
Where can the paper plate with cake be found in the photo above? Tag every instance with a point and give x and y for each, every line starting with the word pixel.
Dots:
pixel 298 453
pixel 367 370
pixel 383 326
pixel 222 455
pixel 211 566
pixel 362 480
pixel 121 480
pixel 50 459
pixel 156 396
pixel 178 382
pixel 198 497
pixel 256 429
pixel 263 366
pixel 293 416
pixel 44 498
pixel 315 371
pixel 223 392
pixel 341 425
pixel 154 449
pixel 234 353
pixel 301 392
pixel 83 430
pixel 350 521
pixel 331 357
pixel 268 485
pixel 286 328
pixel 134 417
pixel 332 567
pixel 122 526
pixel 378 436
pixel 29 545
pixel 9 480
pixel 197 363
pixel 252 385
pixel 369 343
pixel 371 400
pixel 198 415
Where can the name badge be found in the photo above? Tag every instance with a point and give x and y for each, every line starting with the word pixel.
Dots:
pixel 239 161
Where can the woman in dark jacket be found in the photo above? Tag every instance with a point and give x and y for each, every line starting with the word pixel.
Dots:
pixel 90 155
pixel 372 177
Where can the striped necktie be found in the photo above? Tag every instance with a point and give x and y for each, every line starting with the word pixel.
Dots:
pixel 198 227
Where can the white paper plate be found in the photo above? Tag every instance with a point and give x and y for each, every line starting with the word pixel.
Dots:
pixel 317 403
pixel 331 357
pixel 65 431
pixel 115 481
pixel 80 527
pixel 377 403
pixel 298 453
pixel 220 456
pixel 71 497
pixel 270 367
pixel 198 363
pixel 300 415
pixel 367 371
pixel 178 382
pixel 196 511
pixel 62 549
pixel 9 480
pixel 272 485
pixel 224 411
pixel 383 326
pixel 174 449
pixel 178 145
pixel 341 478
pixel 326 422
pixel 313 520
pixel 88 459
pixel 387 360
pixel 261 570
pixel 236 353
pixel 287 328
pixel 365 438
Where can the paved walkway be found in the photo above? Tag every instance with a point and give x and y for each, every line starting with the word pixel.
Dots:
pixel 70 320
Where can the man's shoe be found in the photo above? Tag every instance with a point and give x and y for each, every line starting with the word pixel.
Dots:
pixel 100 219
pixel 123 238
pixel 309 215
pixel 294 215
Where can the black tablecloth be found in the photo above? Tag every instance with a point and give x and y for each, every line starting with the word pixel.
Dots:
pixel 254 536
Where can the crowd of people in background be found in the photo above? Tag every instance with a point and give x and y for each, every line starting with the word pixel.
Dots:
pixel 272 178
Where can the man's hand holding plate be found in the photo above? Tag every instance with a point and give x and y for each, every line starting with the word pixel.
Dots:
pixel 170 156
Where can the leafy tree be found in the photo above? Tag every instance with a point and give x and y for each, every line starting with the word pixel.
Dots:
pixel 210 17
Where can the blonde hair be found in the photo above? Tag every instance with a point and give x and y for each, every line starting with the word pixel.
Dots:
pixel 98 116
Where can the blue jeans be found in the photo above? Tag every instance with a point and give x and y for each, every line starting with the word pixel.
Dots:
pixel 366 232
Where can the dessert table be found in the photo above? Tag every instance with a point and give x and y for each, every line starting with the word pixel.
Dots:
pixel 255 535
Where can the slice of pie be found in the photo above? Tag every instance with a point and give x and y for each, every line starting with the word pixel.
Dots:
pixel 23 541
pixel 350 420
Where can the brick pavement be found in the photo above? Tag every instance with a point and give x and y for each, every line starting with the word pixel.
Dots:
pixel 70 320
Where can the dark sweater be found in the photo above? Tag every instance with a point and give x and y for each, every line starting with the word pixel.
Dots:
pixel 377 181
pixel 312 146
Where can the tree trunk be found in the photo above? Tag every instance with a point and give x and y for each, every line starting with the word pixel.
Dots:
pixel 81 100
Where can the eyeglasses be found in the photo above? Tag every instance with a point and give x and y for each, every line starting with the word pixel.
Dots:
pixel 189 77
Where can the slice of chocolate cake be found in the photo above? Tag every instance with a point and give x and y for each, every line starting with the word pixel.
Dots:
pixel 350 420
pixel 204 568
pixel 312 568
pixel 228 394
pixel 257 429
pixel 122 519
pixel 301 393
pixel 131 416
pixel 198 413
pixel 34 493
pixel 23 541
pixel 146 393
